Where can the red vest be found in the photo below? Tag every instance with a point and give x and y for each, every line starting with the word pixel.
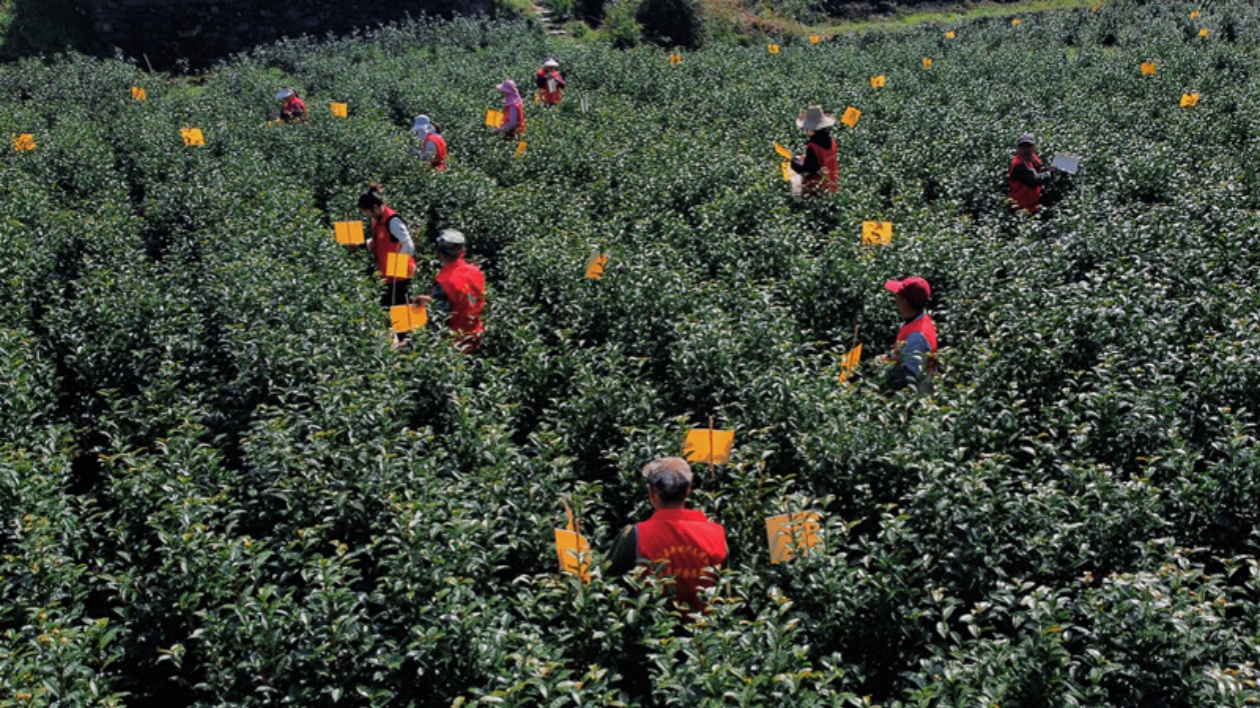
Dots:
pixel 1025 197
pixel 548 97
pixel 923 325
pixel 383 244
pixel 507 118
pixel 465 288
pixel 828 177
pixel 689 543
pixel 294 107
pixel 439 162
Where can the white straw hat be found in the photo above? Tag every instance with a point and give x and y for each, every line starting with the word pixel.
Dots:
pixel 284 93
pixel 551 63
pixel 815 119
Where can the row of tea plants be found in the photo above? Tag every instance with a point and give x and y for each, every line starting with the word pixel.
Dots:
pixel 219 487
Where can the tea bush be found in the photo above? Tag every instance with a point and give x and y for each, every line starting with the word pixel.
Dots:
pixel 219 486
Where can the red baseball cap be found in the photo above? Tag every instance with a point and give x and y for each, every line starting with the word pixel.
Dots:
pixel 914 289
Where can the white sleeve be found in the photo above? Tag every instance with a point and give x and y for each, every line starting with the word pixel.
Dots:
pixel 429 151
pixel 398 230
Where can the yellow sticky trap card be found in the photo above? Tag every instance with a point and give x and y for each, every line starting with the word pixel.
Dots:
pixel 574 552
pixel 783 152
pixel 879 81
pixel 139 94
pixel 192 136
pixel 877 233
pixel 786 169
pixel 814 39
pixel 572 548
pixel 773 48
pixel 520 148
pixel 398 265
pixel 711 446
pixel 494 118
pixel 23 142
pixel 408 318
pixel 1015 22
pixel 1194 14
pixel 1189 100
pixel 341 110
pixel 1203 32
pixel 792 534
pixel 1148 67
pixel 849 363
pixel 349 232
pixel 850 117
pixel 595 265
pixel 675 59
pixel 926 62
pixel 951 34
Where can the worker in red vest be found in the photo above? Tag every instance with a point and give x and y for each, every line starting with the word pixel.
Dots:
pixel 294 108
pixel 433 145
pixel 913 358
pixel 818 167
pixel 460 290
pixel 389 235
pixel 681 542
pixel 513 111
pixel 1026 176
pixel 549 82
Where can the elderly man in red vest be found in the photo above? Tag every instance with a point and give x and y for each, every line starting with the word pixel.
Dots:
pixel 459 290
pixel 913 358
pixel 682 541
pixel 1026 178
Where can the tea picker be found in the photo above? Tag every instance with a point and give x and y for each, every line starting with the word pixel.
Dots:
pixel 392 253
pixel 913 358
pixel 460 290
pixel 433 145
pixel 683 540
pixel 1026 176
pixel 818 167
pixel 513 124
pixel 549 82
pixel 294 108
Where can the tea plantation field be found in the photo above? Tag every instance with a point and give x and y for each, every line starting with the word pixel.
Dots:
pixel 218 486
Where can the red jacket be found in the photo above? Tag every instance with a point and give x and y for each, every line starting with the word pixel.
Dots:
pixel 541 79
pixel 439 162
pixel 689 543
pixel 384 244
pixel 465 290
pixel 1025 197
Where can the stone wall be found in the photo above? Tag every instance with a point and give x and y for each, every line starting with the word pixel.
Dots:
pixel 198 32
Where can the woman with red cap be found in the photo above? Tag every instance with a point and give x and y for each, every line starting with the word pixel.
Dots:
pixel 513 111
pixel 913 358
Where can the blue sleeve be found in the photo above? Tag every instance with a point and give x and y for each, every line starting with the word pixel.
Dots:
pixel 511 118
pixel 914 352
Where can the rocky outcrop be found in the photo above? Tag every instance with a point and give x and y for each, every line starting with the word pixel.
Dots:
pixel 198 32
